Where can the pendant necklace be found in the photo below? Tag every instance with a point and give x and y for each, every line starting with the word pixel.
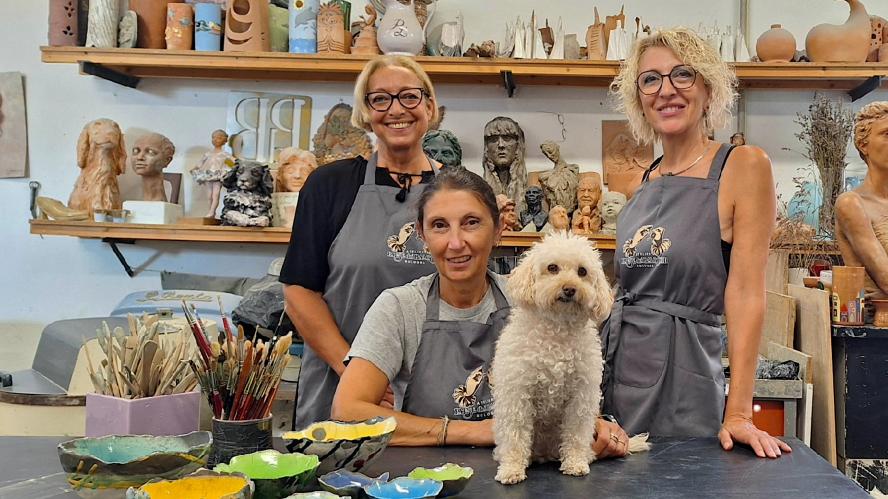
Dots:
pixel 675 174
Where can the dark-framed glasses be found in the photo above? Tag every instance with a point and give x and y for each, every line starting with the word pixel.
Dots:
pixel 681 77
pixel 382 101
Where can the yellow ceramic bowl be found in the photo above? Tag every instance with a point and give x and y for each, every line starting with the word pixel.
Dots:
pixel 349 446
pixel 204 484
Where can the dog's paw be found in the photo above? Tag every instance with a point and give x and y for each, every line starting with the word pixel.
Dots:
pixel 508 474
pixel 575 467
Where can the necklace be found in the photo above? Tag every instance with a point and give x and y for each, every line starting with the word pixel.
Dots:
pixel 675 174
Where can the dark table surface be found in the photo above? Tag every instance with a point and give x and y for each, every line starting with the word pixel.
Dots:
pixel 685 468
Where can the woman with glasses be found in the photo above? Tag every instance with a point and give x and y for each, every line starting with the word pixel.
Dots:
pixel 692 244
pixel 354 231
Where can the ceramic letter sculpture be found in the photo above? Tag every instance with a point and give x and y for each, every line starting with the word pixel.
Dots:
pixel 304 26
pixel 247 26
pixel 775 45
pixel 62 23
pixel 180 26
pixel 207 27
pixel 102 31
pixel 849 42
pixel 152 22
pixel 399 31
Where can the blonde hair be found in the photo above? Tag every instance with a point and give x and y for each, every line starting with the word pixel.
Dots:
pixel 361 112
pixel 863 123
pixel 719 79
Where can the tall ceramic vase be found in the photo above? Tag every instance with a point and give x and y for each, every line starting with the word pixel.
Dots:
pixel 151 22
pixel 102 31
pixel 304 26
pixel 180 26
pixel 247 26
pixel 207 27
pixel 399 31
pixel 62 23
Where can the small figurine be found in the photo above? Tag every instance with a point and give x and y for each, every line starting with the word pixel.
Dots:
pixel 101 156
pixel 212 169
pixel 588 194
pixel 582 221
pixel 443 146
pixel 508 215
pixel 558 220
pixel 534 219
pixel 560 183
pixel 150 155
pixel 248 198
pixel 365 43
pixel 337 138
pixel 610 206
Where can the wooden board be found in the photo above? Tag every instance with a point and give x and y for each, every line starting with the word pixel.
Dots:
pixel 779 325
pixel 813 337
pixel 777 271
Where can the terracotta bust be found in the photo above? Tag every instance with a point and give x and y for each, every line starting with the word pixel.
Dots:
pixel 150 155
pixel 508 215
pixel 295 166
pixel 101 156
pixel 503 159
pixel 610 206
pixel 588 194
pixel 534 219
pixel 443 146
pixel 560 183
pixel 558 220
pixel 862 214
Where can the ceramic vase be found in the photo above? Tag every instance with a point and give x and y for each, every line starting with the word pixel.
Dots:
pixel 399 31
pixel 775 45
pixel 207 27
pixel 62 23
pixel 279 23
pixel 849 42
pixel 180 26
pixel 102 30
pixel 247 26
pixel 304 26
pixel 878 25
pixel 151 22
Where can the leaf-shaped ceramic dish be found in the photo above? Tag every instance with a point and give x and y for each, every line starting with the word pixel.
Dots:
pixel 273 473
pixel 349 483
pixel 123 461
pixel 340 445
pixel 404 488
pixel 203 484
pixel 453 476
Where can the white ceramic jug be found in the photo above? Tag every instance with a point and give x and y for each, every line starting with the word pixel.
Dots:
pixel 399 31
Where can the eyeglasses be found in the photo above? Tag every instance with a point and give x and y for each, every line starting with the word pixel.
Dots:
pixel 681 77
pixel 382 101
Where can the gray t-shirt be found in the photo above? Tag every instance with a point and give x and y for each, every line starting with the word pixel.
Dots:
pixel 392 328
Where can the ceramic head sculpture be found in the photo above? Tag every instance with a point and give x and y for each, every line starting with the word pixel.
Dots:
pixel 534 218
pixel 560 183
pixel 503 159
pixel 443 146
pixel 101 156
pixel 588 194
pixel 558 219
pixel 295 166
pixel 508 215
pixel 609 207
pixel 152 153
pixel 337 138
pixel 248 195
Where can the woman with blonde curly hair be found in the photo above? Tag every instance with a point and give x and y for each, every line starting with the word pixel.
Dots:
pixel 692 244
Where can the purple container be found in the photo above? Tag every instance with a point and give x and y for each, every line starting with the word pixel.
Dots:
pixel 162 415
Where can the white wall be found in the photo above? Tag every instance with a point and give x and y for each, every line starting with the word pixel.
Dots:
pixel 46 279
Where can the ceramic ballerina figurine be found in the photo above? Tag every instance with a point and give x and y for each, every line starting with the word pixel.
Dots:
pixel 212 168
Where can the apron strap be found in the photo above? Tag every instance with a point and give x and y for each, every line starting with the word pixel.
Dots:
pixel 433 298
pixel 718 162
pixel 372 163
pixel 654 165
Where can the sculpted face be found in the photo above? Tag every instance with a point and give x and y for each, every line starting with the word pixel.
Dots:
pixel 611 204
pixel 149 156
pixel 294 170
pixel 442 150
pixel 534 196
pixel 558 218
pixel 588 192
pixel 501 146
pixel 876 147
pixel 550 150
pixel 508 215
pixel 219 138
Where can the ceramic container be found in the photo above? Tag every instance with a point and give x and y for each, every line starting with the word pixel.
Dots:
pixel 247 26
pixel 151 16
pixel 103 19
pixel 453 476
pixel 62 23
pixel 162 415
pixel 399 31
pixel 203 484
pixel 404 488
pixel 180 26
pixel 304 26
pixel 848 42
pixel 316 495
pixel 349 446
pixel 775 45
pixel 349 483
pixel 235 438
pixel 274 474
pixel 207 27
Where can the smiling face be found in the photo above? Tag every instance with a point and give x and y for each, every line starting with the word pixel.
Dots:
pixel 399 128
pixel 588 191
pixel 149 156
pixel 671 111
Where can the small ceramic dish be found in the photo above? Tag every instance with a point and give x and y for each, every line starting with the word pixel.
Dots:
pixel 202 484
pixel 123 461
pixel 404 488
pixel 349 483
pixel 349 446
pixel 316 495
pixel 274 474
pixel 453 476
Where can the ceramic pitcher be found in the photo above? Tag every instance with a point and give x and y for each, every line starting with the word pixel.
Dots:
pixel 399 31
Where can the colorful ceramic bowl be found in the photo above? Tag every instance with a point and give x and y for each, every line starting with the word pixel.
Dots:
pixel 349 446
pixel 123 461
pixel 349 483
pixel 274 474
pixel 404 488
pixel 453 476
pixel 203 484
pixel 316 495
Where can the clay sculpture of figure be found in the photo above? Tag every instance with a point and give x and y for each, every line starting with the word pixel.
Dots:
pixel 443 146
pixel 127 34
pixel 248 195
pixel 295 166
pixel 508 215
pixel 152 153
pixel 503 159
pixel 560 183
pixel 849 42
pixel 558 220
pixel 596 40
pixel 610 206
pixel 582 221
pixel 588 194
pixel 365 43
pixel 337 138
pixel 212 169
pixel 534 218
pixel 247 26
pixel 331 35
pixel 101 156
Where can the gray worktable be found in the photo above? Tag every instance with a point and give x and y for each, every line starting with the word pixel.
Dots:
pixel 673 468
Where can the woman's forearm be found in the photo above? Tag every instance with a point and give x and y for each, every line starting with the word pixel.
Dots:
pixel 745 317
pixel 312 317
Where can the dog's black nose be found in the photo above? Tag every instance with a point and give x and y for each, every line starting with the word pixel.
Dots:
pixel 569 292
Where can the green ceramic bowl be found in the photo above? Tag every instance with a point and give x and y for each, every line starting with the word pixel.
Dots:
pixel 275 475
pixel 453 476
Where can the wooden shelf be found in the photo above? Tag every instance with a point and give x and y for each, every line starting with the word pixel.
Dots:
pixel 151 63
pixel 220 234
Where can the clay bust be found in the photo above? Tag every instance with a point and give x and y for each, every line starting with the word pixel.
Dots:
pixel 588 194
pixel 534 218
pixel 508 215
pixel 295 166
pixel 609 207
pixel 338 139
pixel 862 214
pixel 212 169
pixel 443 146
pixel 560 183
pixel 558 220
pixel 150 155
pixel 101 156
pixel 503 159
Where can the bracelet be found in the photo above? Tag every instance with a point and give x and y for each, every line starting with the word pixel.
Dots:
pixel 442 436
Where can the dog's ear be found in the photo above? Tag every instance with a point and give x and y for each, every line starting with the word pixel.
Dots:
pixel 522 280
pixel 229 181
pixel 602 297
pixel 266 186
pixel 83 146
pixel 121 150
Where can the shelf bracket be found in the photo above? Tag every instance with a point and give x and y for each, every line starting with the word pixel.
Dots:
pixel 870 84
pixel 111 75
pixel 120 258
pixel 508 82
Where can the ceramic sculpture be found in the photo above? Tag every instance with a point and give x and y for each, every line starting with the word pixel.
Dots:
pixel 180 26
pixel 849 42
pixel 247 26
pixel 878 25
pixel 212 169
pixel 596 40
pixel 304 26
pixel 534 218
pixel 610 206
pixel 347 446
pixel 279 27
pixel 337 138
pixel 503 159
pixel 54 209
pixel 152 153
pixel 295 165
pixel 101 156
pixel 331 36
pixel 62 23
pixel 560 183
pixel 586 219
pixel 775 45
pixel 127 32
pixel 102 31
pixel 247 201
pixel 365 44
pixel 207 27
pixel 443 147
pixel 624 158
pixel 400 32
pixel 508 215
pixel 558 220
pixel 151 16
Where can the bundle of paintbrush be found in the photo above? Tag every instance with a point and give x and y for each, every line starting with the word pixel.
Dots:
pixel 143 363
pixel 239 377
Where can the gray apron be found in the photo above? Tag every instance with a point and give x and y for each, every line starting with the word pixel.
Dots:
pixel 376 249
pixel 450 372
pixel 662 344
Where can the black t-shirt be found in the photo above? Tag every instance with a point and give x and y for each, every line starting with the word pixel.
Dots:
pixel 324 204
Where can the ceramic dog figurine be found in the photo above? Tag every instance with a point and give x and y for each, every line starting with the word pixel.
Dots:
pixel 247 201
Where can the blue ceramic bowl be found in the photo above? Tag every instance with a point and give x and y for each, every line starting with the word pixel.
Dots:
pixel 404 488
pixel 349 483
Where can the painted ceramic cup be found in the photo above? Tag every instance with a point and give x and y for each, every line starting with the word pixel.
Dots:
pixel 180 26
pixel 207 27
pixel 304 26
pixel 151 16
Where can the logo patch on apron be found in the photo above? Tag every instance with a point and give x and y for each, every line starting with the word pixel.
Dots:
pixel 398 251
pixel 464 395
pixel 659 246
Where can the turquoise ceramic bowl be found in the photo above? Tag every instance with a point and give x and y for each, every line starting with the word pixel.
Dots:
pixel 404 488
pixel 348 446
pixel 274 474
pixel 349 483
pixel 453 476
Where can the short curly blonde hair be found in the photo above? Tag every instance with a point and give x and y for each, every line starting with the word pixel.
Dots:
pixel 693 51
pixel 863 123
pixel 361 112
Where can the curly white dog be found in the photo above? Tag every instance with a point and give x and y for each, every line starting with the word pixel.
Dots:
pixel 548 363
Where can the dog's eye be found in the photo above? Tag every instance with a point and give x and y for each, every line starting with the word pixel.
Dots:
pixel 582 272
pixel 552 268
